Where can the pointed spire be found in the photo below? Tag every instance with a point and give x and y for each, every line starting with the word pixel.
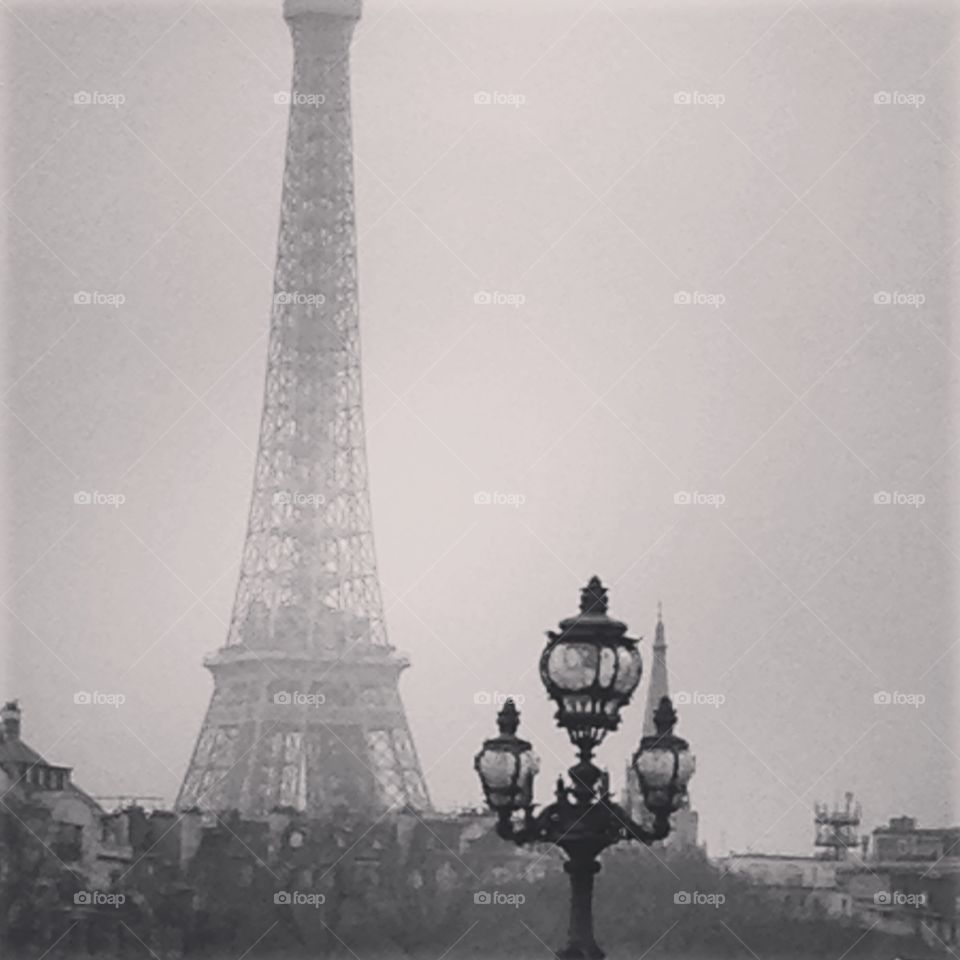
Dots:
pixel 658 687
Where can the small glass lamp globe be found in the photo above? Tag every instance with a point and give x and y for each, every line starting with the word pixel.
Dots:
pixel 663 763
pixel 507 764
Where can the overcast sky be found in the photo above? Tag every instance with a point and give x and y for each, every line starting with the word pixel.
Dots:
pixel 809 225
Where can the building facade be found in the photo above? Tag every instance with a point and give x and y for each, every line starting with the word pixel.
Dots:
pixel 805 886
pixel 44 799
pixel 909 881
pixel 902 880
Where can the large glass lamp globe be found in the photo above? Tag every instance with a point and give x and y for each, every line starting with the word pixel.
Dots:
pixel 590 669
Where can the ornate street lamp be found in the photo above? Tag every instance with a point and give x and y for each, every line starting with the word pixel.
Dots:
pixel 507 765
pixel 590 669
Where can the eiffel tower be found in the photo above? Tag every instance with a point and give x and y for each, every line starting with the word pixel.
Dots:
pixel 306 710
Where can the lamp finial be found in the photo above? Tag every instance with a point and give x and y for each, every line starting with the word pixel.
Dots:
pixel 665 717
pixel 508 719
pixel 593 597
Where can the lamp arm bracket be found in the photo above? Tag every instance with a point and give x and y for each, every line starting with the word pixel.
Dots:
pixel 518 833
pixel 559 823
pixel 631 830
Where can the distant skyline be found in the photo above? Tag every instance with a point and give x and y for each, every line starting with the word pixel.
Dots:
pixel 617 262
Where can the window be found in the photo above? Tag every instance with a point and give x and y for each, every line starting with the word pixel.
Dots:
pixel 68 845
pixel 292 786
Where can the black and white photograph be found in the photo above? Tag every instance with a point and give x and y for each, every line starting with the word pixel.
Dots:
pixel 480 480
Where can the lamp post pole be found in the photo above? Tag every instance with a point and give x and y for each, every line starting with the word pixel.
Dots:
pixel 590 668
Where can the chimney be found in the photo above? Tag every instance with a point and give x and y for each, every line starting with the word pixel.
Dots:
pixel 11 720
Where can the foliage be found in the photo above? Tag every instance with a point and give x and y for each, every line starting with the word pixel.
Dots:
pixel 418 900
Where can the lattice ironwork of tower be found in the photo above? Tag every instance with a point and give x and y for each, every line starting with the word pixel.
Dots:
pixel 837 828
pixel 306 710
